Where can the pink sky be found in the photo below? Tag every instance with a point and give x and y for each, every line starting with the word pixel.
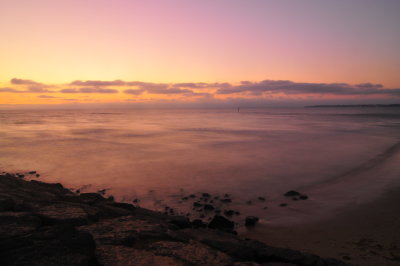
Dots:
pixel 57 42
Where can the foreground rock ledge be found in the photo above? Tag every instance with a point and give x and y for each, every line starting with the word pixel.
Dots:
pixel 47 224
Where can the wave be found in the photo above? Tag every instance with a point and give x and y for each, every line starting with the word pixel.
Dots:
pixel 365 166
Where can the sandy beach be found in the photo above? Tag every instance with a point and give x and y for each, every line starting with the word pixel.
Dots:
pixel 365 234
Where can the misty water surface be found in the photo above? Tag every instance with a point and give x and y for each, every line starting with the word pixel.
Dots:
pixel 161 155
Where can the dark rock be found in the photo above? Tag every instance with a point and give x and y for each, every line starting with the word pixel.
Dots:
pixel 110 198
pixel 229 212
pixel 261 198
pixel 197 204
pixel 251 220
pixel 90 198
pixel 32 172
pixel 136 200
pixel 206 195
pixel 37 175
pixel 249 202
pixel 221 223
pixel 283 204
pixel 192 196
pixel 303 197
pixel 102 191
pixel 57 245
pixel 226 200
pixel 198 224
pixel 291 193
pixel 180 221
pixel 123 205
pixel 208 207
pixel 7 205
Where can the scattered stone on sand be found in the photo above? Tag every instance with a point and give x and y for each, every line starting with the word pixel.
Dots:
pixel 251 220
pixel 283 204
pixel 47 224
pixel 32 172
pixel 261 198
pixel 292 193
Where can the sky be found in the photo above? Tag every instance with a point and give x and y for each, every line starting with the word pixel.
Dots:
pixel 209 51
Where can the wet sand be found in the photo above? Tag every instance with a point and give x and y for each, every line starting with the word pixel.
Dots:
pixel 366 234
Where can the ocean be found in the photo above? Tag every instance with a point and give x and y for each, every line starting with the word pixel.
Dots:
pixel 336 156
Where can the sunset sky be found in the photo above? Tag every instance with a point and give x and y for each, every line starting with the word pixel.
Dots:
pixel 127 51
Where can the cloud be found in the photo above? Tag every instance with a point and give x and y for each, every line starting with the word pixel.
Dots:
pixel 10 90
pixel 89 90
pixel 46 97
pixel 292 88
pixel 98 83
pixel 16 81
pixel 134 92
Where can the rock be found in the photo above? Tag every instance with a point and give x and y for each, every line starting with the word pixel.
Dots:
pixel 291 193
pixel 136 200
pixel 61 213
pixel 206 195
pixel 221 223
pixel 56 245
pixel 197 204
pixel 249 202
pixel 37 175
pixel 208 207
pixel 261 198
pixel 46 224
pixel 251 220
pixel 198 224
pixel 229 212
pixel 226 200
pixel 91 198
pixel 102 191
pixel 283 204
pixel 32 172
pixel 303 197
pixel 180 221
pixel 7 205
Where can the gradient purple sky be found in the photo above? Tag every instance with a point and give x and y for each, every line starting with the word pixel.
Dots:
pixel 172 41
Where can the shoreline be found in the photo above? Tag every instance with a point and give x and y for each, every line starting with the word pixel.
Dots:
pixel 47 224
pixel 366 234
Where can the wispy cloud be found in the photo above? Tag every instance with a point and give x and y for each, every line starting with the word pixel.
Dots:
pixel 89 90
pixel 16 81
pixel 47 97
pixel 10 90
pixel 290 88
pixel 203 90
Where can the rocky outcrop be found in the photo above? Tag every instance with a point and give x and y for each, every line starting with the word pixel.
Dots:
pixel 47 224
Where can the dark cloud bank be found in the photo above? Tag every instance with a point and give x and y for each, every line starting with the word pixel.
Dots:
pixel 253 93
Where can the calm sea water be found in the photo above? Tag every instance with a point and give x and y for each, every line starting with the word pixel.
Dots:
pixel 338 156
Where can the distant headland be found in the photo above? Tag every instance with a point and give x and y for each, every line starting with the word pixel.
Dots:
pixel 352 105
